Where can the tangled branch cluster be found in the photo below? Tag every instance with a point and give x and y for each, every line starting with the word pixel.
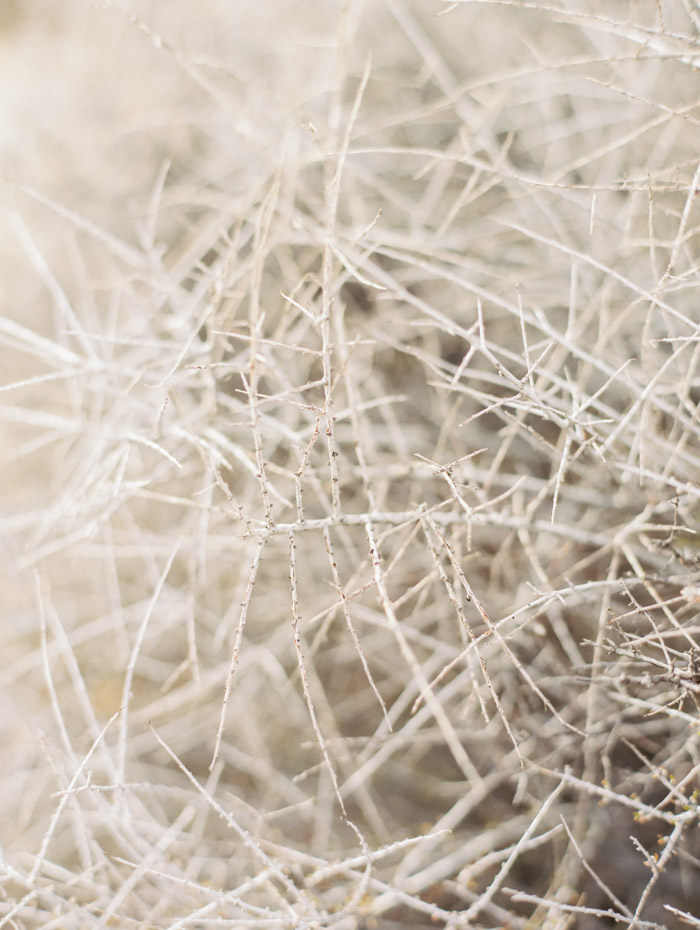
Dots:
pixel 351 391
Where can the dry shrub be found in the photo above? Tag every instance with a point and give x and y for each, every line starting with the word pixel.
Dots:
pixel 351 464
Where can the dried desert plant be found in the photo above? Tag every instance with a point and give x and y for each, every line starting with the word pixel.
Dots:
pixel 350 501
